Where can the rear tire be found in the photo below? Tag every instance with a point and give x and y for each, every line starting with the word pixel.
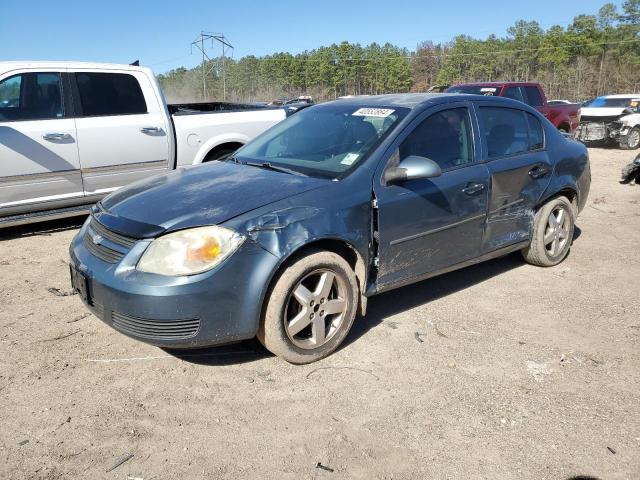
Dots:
pixel 310 309
pixel 552 235
pixel 632 140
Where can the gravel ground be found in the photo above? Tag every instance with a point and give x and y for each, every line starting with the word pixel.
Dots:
pixel 497 371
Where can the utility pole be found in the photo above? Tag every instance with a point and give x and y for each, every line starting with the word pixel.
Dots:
pixel 199 43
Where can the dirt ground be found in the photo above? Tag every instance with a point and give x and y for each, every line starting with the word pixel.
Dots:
pixel 498 371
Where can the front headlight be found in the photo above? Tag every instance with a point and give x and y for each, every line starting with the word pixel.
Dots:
pixel 191 251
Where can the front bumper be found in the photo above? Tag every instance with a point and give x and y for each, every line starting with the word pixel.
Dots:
pixel 601 131
pixel 219 306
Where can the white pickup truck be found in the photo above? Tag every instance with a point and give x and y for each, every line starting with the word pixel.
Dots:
pixel 72 132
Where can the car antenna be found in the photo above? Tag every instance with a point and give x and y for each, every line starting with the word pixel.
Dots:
pixel 135 64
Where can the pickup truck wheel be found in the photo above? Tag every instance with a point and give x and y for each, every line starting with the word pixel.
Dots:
pixel 310 309
pixel 552 233
pixel 632 140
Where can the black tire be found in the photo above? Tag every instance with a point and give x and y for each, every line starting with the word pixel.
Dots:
pixel 541 252
pixel 273 332
pixel 218 154
pixel 631 141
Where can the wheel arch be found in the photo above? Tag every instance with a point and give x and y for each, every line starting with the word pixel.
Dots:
pixel 567 191
pixel 337 245
pixel 221 147
pixel 218 142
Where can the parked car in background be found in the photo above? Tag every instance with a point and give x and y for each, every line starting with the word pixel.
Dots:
pixel 565 117
pixel 612 119
pixel 559 102
pixel 72 132
pixel 289 237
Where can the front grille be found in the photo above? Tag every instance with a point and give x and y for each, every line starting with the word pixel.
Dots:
pixel 114 237
pixel 154 329
pixel 109 255
pixel 100 251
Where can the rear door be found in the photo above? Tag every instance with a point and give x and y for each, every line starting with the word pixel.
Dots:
pixel 429 224
pixel 39 165
pixel 520 171
pixel 122 129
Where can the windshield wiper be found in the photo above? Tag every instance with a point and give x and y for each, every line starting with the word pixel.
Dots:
pixel 277 168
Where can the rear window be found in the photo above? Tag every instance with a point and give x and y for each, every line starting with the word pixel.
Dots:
pixel 508 131
pixel 103 94
pixel 536 132
pixel 533 96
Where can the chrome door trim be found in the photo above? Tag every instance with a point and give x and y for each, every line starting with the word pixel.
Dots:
pixel 127 166
pixel 38 176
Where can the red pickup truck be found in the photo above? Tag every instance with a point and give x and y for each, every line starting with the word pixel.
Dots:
pixel 565 117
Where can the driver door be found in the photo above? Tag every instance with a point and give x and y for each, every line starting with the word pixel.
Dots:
pixel 426 225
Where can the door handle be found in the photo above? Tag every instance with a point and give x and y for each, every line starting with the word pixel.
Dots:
pixel 538 171
pixel 56 137
pixel 473 188
pixel 151 130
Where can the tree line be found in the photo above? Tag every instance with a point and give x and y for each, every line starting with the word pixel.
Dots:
pixel 594 55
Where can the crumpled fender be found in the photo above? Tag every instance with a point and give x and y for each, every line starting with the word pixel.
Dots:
pixel 285 228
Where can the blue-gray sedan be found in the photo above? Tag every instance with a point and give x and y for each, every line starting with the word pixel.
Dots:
pixel 288 237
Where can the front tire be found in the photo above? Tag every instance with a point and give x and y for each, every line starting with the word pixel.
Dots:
pixel 552 235
pixel 310 309
pixel 632 140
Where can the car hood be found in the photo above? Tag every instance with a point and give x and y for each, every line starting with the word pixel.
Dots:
pixel 193 196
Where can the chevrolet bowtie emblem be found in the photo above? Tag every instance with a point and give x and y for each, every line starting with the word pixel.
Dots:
pixel 96 239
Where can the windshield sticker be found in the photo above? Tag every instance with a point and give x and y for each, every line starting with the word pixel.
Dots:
pixel 488 89
pixel 373 112
pixel 349 158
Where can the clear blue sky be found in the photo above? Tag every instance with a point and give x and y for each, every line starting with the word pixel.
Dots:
pixel 159 32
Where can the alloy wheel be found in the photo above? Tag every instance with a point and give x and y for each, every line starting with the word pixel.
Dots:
pixel 315 309
pixel 556 233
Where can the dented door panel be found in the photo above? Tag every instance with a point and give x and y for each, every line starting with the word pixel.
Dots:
pixel 517 184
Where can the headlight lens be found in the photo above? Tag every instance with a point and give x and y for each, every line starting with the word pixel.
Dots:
pixel 188 252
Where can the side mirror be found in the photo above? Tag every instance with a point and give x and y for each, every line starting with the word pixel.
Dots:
pixel 412 167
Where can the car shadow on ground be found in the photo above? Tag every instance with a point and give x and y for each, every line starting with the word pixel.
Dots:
pixel 45 228
pixel 405 298
pixel 232 354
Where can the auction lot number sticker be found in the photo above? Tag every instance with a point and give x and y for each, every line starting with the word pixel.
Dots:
pixel 373 112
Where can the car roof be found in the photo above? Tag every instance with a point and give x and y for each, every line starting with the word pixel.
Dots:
pixel 416 100
pixel 26 64
pixel 623 95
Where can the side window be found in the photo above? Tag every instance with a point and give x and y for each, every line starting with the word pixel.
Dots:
pixel 31 96
pixel 536 133
pixel 445 137
pixel 515 93
pixel 505 131
pixel 533 96
pixel 103 94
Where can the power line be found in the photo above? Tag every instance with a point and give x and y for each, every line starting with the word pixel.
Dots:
pixel 199 44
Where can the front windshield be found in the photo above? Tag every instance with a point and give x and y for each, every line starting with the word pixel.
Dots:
pixel 604 102
pixel 325 140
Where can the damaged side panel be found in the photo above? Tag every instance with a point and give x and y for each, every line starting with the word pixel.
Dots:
pixel 517 184
pixel 291 224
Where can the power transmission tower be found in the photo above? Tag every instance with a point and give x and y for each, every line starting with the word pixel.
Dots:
pixel 199 43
